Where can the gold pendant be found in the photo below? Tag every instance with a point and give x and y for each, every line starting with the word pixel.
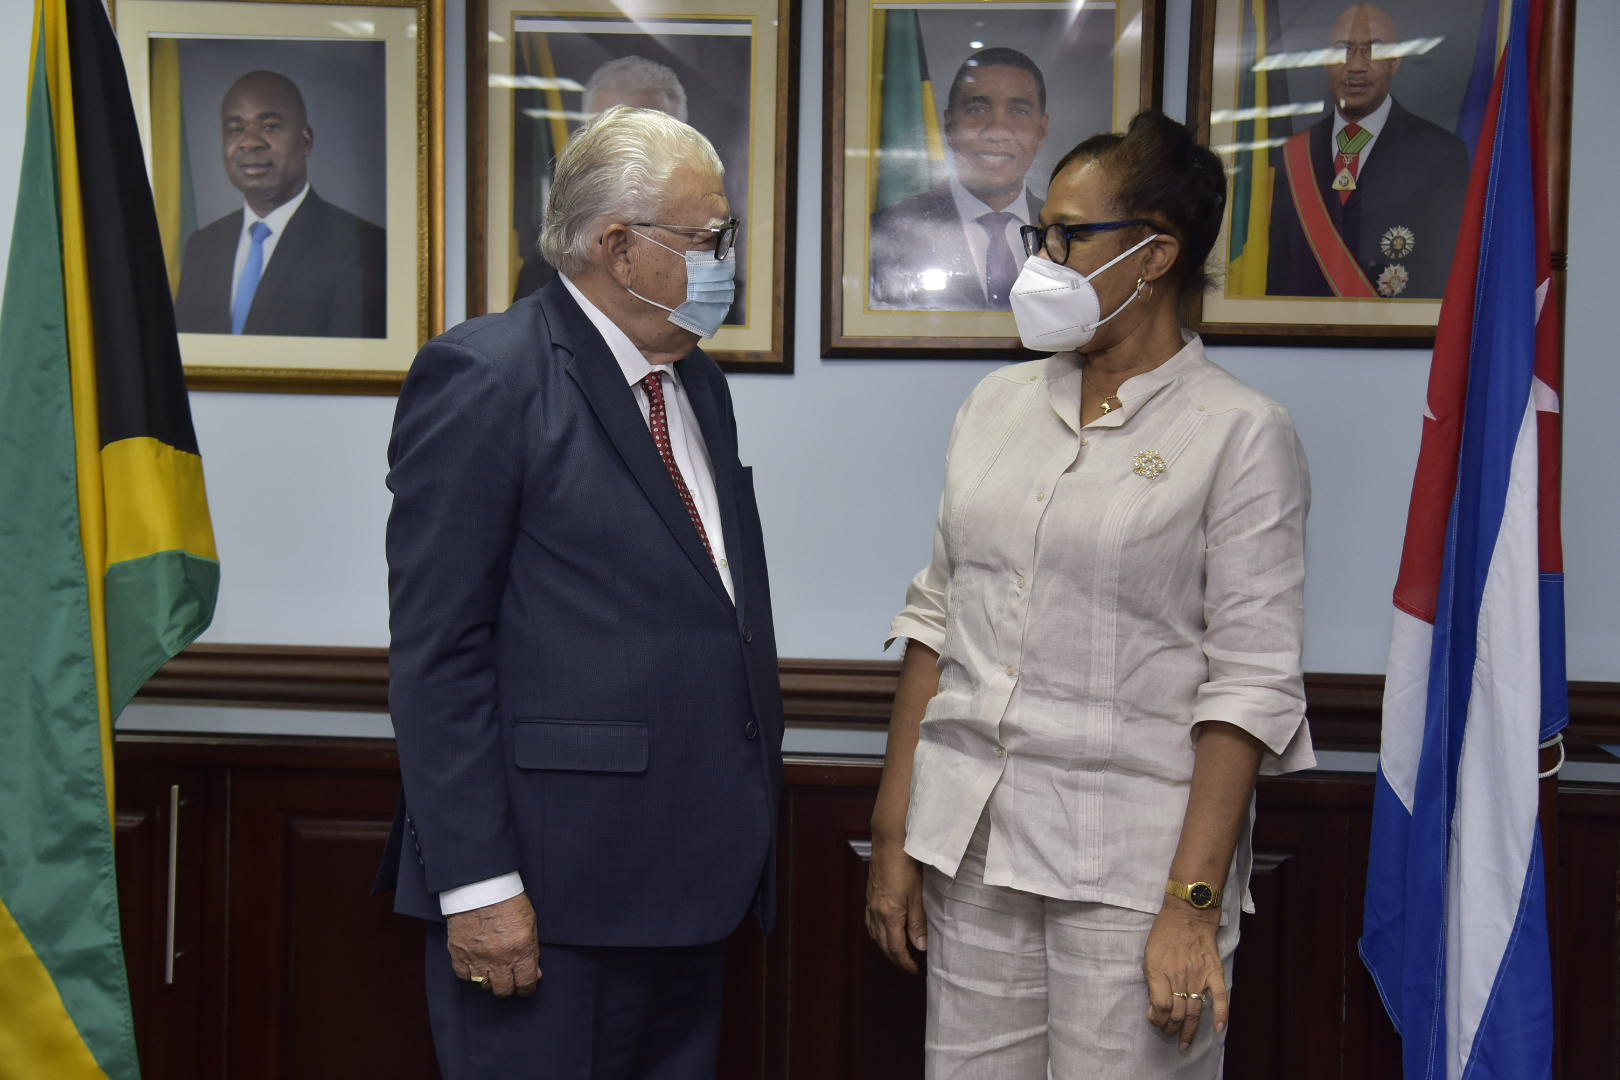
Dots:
pixel 1344 181
pixel 1106 406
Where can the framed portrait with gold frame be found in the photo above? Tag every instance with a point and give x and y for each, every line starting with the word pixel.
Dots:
pixel 1347 132
pixel 536 74
pixel 943 123
pixel 296 151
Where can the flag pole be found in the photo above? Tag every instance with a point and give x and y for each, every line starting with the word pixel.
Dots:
pixel 1554 62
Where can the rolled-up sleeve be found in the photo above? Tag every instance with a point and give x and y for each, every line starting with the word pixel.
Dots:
pixel 1254 593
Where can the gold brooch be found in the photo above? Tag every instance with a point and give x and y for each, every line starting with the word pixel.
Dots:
pixel 1148 464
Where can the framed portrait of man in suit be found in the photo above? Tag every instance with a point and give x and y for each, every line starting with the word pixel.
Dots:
pixel 1348 132
pixel 724 66
pixel 294 184
pixel 944 122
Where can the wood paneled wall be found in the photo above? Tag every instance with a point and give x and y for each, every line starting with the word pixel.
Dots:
pixel 285 965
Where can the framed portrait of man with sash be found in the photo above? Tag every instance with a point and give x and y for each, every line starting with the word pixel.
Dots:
pixel 1347 130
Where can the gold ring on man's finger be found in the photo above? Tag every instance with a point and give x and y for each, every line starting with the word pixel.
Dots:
pixel 482 982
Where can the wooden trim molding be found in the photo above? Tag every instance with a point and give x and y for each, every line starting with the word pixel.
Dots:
pixel 1344 708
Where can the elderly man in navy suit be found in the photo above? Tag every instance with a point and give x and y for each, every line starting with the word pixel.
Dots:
pixel 288 262
pixel 584 675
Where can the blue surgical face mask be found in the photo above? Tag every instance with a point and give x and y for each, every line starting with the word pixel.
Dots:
pixel 711 286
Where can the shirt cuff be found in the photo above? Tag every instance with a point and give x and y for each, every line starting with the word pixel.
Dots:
pixel 480 893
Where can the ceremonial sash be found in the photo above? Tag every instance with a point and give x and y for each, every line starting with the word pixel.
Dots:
pixel 1338 265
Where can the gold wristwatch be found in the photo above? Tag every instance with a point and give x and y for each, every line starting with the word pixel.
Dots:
pixel 1200 894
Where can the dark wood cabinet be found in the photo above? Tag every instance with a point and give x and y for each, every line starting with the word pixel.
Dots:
pixel 284 965
pixel 328 979
pixel 171 898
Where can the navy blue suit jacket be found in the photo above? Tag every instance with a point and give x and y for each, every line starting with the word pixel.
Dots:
pixel 1416 179
pixel 327 278
pixel 575 696
pixel 924 232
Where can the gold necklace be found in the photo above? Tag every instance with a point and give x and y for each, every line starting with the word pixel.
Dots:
pixel 1109 402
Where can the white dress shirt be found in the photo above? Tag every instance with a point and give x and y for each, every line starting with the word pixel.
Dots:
pixel 692 458
pixel 970 208
pixel 277 221
pixel 1089 618
pixel 1373 122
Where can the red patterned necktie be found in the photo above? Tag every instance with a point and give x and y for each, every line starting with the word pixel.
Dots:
pixel 658 421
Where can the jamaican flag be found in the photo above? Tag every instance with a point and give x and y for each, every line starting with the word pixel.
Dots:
pixel 107 561
pixel 910 145
pixel 1253 176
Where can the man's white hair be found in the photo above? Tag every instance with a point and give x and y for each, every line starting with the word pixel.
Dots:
pixel 633 74
pixel 616 169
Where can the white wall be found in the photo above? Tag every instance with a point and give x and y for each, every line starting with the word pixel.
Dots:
pixel 847 453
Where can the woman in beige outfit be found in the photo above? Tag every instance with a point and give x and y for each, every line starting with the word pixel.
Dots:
pixel 1102 655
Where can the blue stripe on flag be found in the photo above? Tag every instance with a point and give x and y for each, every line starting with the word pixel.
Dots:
pixel 1514 1040
pixel 1477 96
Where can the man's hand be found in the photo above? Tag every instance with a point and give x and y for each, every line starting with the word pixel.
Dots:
pixel 498 942
pixel 894 905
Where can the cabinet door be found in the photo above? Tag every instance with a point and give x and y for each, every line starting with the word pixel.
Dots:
pixel 853 1015
pixel 170 850
pixel 325 980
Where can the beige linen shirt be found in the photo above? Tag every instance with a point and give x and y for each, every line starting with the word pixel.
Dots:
pixel 1089 617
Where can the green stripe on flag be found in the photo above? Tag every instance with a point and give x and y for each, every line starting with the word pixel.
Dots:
pixel 57 874
pixel 904 167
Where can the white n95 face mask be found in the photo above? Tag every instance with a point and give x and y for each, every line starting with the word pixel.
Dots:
pixel 711 286
pixel 1056 308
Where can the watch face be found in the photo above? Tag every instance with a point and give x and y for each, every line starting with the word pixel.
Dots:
pixel 1201 895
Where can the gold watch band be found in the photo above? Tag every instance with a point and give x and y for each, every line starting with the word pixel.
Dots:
pixel 1200 894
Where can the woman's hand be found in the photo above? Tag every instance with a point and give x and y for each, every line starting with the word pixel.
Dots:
pixel 894 906
pixel 1182 958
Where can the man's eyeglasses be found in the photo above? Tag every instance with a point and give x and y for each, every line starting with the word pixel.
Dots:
pixel 725 236
pixel 1055 238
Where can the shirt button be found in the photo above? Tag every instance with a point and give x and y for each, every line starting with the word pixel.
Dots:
pixel 1034 378
pixel 725 565
pixel 1011 670
pixel 750 730
pixel 1001 751
pixel 1040 496
pixel 1021 583
pixel 1203 408
pixel 1085 442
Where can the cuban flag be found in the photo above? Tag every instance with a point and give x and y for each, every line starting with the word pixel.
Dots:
pixel 1455 924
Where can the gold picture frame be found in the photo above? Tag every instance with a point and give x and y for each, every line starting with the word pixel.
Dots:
pixel 354 63
pixel 1099 60
pixel 1260 93
pixel 528 68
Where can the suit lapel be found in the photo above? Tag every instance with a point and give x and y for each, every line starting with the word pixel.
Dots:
pixel 302 232
pixel 1322 157
pixel 592 367
pixel 1388 147
pixel 699 382
pixel 216 269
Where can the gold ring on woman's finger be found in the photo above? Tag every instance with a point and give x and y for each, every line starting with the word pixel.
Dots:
pixel 1198 997
pixel 1181 994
